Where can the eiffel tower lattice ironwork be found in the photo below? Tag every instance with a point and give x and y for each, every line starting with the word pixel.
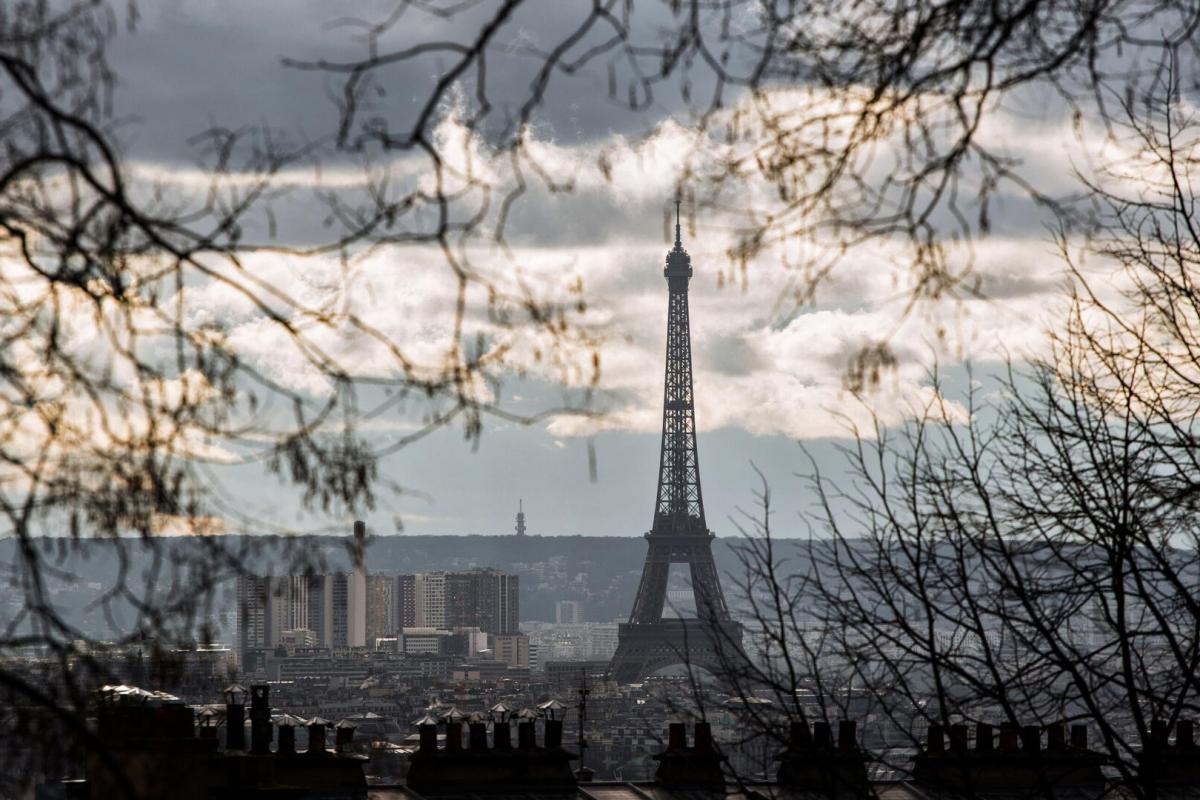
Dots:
pixel 679 534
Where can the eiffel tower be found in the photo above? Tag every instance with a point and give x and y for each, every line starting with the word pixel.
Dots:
pixel 679 535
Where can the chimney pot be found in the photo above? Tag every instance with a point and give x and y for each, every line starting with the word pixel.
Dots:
pixel 287 741
pixel 1009 733
pixel 260 720
pixel 1079 737
pixel 847 734
pixel 554 730
pixel 502 735
pixel 526 735
pixel 428 740
pixel 984 742
pixel 704 740
pixel 1185 734
pixel 935 742
pixel 478 735
pixel 822 736
pixel 676 737
pixel 1031 738
pixel 316 739
pixel 454 736
pixel 344 738
pixel 1056 736
pixel 800 737
pixel 1158 733
pixel 958 738
pixel 235 726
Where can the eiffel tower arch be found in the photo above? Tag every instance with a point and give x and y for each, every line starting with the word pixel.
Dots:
pixel 678 534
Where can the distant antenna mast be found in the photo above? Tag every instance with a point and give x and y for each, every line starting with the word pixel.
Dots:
pixel 584 773
pixel 520 518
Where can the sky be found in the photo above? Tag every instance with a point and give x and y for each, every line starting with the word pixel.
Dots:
pixel 770 376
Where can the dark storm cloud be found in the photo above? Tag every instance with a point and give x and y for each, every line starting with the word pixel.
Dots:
pixel 188 65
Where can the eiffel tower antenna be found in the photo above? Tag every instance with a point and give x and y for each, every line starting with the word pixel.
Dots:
pixel 678 534
pixel 678 243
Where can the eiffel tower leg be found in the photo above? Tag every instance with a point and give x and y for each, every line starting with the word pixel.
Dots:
pixel 710 600
pixel 652 591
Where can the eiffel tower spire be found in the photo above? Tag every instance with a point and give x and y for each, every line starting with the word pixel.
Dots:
pixel 678 534
pixel 678 244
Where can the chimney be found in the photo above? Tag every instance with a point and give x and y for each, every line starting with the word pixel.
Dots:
pixel 799 737
pixel 1185 734
pixel 958 738
pixel 1009 733
pixel 984 742
pixel 822 739
pixel 683 767
pixel 316 736
pixel 935 741
pixel 287 736
pixel 501 732
pixel 477 733
pixel 847 734
pixel 554 732
pixel 1056 736
pixel 502 735
pixel 235 726
pixel 427 730
pixel 812 765
pixel 260 720
pixel 1079 737
pixel 454 735
pixel 344 731
pixel 526 734
pixel 1158 733
pixel 1020 767
pixel 676 737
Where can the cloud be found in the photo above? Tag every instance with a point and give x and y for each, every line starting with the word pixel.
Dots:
pixel 762 363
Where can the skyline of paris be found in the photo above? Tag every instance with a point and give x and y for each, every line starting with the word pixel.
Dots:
pixel 357 367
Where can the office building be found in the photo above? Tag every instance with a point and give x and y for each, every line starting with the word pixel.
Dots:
pixel 512 649
pixel 568 612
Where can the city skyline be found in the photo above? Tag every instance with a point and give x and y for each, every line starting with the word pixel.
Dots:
pixel 352 418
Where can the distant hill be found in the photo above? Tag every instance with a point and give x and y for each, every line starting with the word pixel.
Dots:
pixel 600 571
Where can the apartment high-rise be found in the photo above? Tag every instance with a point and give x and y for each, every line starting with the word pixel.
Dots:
pixel 296 589
pixel 254 615
pixel 483 598
pixel 319 608
pixel 381 608
pixel 339 609
pixel 429 600
pixel 406 601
